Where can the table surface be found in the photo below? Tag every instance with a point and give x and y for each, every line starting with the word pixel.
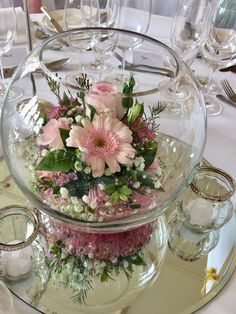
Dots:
pixel 220 151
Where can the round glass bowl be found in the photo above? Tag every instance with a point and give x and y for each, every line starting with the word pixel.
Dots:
pixel 165 150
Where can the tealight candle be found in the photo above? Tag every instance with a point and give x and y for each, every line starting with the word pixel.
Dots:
pixel 17 264
pixel 18 230
pixel 200 212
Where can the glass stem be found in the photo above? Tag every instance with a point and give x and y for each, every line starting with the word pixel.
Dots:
pixel 4 85
pixel 80 57
pixel 210 80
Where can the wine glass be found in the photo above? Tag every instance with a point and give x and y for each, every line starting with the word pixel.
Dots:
pixel 97 13
pixel 80 42
pixel 188 31
pixel 219 49
pixel 141 14
pixel 189 28
pixel 103 14
pixel 7 36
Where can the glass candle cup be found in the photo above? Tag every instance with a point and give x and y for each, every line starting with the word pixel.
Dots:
pixel 189 244
pixel 20 245
pixel 209 202
pixel 205 207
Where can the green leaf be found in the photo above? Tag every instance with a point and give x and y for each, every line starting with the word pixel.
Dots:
pixel 138 261
pixel 81 186
pixel 142 177
pixel 127 102
pixel 131 83
pixel 135 112
pixel 135 206
pixel 130 268
pixel 105 275
pixel 64 135
pixel 133 174
pixel 58 160
pixel 65 98
pixel 110 188
pixel 149 153
pixel 125 190
pixel 92 112
pixel 115 197
pixel 123 197
pixel 56 250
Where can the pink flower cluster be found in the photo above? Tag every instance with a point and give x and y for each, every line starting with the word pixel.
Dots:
pixel 63 178
pixel 58 112
pixel 141 131
pixel 101 246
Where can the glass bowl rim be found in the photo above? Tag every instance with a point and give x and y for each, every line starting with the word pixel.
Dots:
pixel 45 43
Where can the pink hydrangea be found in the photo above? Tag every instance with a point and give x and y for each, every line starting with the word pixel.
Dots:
pixel 101 246
pixel 105 141
pixel 105 97
pixel 51 134
pixel 57 111
pixel 63 178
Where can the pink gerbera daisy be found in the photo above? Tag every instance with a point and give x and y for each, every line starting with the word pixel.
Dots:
pixel 103 141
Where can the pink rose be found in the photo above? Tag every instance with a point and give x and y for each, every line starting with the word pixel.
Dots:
pixel 105 96
pixel 51 134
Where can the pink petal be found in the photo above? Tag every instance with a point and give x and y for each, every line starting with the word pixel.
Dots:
pixel 76 138
pixel 112 164
pixel 97 166
pixel 51 135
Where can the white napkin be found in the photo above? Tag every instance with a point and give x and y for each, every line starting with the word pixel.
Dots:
pixel 20 20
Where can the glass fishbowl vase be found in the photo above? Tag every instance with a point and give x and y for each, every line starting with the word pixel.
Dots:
pixel 102 162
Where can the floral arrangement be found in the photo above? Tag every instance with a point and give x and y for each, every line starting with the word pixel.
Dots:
pixel 96 161
pixel 96 156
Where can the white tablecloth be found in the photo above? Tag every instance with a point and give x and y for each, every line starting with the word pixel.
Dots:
pixel 220 151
